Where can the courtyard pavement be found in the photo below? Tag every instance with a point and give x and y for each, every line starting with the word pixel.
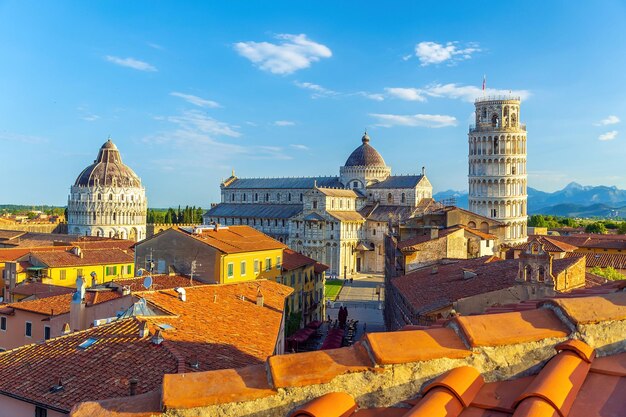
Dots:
pixel 363 302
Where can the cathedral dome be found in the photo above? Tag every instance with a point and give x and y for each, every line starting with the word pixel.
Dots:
pixel 365 155
pixel 108 170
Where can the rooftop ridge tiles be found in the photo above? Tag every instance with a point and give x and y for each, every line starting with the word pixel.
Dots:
pixel 332 404
pixel 464 382
pixel 558 382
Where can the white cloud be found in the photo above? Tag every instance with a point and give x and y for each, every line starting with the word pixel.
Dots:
pixel 318 90
pixel 371 96
pixel 422 120
pixel 131 63
pixel 90 117
pixel 293 53
pixel 284 123
pixel 436 53
pixel 195 100
pixel 409 94
pixel 17 137
pixel 608 135
pixel 610 120
pixel 300 147
pixel 467 93
pixel 154 45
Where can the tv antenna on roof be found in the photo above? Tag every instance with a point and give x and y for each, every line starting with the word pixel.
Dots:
pixel 147 282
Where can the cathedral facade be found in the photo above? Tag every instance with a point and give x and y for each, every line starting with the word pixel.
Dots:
pixel 107 199
pixel 337 220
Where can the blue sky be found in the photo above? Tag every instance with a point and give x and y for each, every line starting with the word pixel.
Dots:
pixel 190 90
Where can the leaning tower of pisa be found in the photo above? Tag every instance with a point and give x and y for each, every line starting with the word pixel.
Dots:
pixel 497 165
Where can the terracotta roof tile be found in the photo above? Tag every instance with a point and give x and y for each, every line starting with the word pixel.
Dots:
pixel 159 282
pixel 198 389
pixel 40 290
pixel 89 257
pixel 511 328
pixel 235 239
pixel 60 304
pixel 501 395
pixel 587 310
pixel 549 244
pixel 610 365
pixel 317 367
pixel 464 382
pixel 216 327
pixel 333 404
pixel 98 372
pixel 415 345
pixel 293 260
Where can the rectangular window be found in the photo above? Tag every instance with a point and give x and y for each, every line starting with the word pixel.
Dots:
pixel 62 274
pixel 29 329
pixel 41 412
pixel 243 268
pixel 3 324
pixel 278 262
pixel 256 266
pixel 268 264
pixel 129 269
pixel 231 270
pixel 494 212
pixel 46 332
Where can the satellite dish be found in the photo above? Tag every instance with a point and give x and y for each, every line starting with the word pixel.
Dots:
pixel 1 299
pixel 93 274
pixel 147 282
pixel 140 272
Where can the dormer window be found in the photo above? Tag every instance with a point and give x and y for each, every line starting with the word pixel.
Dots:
pixel 355 184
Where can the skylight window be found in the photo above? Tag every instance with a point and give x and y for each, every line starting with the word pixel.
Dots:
pixel 87 343
pixel 164 327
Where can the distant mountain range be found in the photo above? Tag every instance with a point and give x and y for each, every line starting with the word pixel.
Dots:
pixel 574 200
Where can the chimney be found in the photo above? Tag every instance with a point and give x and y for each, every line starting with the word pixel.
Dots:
pixel 259 298
pixel 423 171
pixel 77 251
pixel 434 233
pixel 467 274
pixel 157 339
pixel 182 294
pixel 434 270
pixel 133 386
pixel 143 329
pixel 77 307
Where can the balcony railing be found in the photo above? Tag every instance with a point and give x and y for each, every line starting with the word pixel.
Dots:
pixel 488 127
pixel 497 98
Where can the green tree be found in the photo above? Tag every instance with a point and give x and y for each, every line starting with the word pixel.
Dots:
pixel 596 227
pixel 622 228
pixel 609 273
pixel 537 220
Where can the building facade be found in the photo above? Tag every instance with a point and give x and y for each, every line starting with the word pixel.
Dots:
pixel 497 165
pixel 337 220
pixel 107 199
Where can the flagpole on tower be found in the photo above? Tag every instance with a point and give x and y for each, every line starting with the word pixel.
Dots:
pixel 484 84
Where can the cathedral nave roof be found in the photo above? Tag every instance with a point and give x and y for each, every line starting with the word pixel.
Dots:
pixel 284 183
pixel 399 181
pixel 269 211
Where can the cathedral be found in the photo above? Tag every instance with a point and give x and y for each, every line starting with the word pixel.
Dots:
pixel 337 220
pixel 107 199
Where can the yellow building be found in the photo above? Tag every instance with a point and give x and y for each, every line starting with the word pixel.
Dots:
pixel 212 254
pixel 96 266
pixel 306 276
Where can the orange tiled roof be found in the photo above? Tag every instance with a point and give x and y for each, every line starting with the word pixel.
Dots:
pixel 417 240
pixel 235 239
pixel 293 260
pixel 159 282
pixel 479 233
pixel 122 244
pixel 426 291
pixel 549 244
pixel 460 370
pixel 12 254
pixel 100 371
pixel 60 304
pixel 89 257
pixel 219 328
pixel 40 290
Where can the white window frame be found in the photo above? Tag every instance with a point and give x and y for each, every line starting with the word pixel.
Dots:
pixel 257 267
pixel 268 264
pixel 242 268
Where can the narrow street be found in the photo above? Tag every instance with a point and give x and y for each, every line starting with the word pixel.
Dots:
pixel 363 301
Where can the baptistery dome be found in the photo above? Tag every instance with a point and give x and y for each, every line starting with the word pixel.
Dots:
pixel 365 155
pixel 107 199
pixel 108 170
